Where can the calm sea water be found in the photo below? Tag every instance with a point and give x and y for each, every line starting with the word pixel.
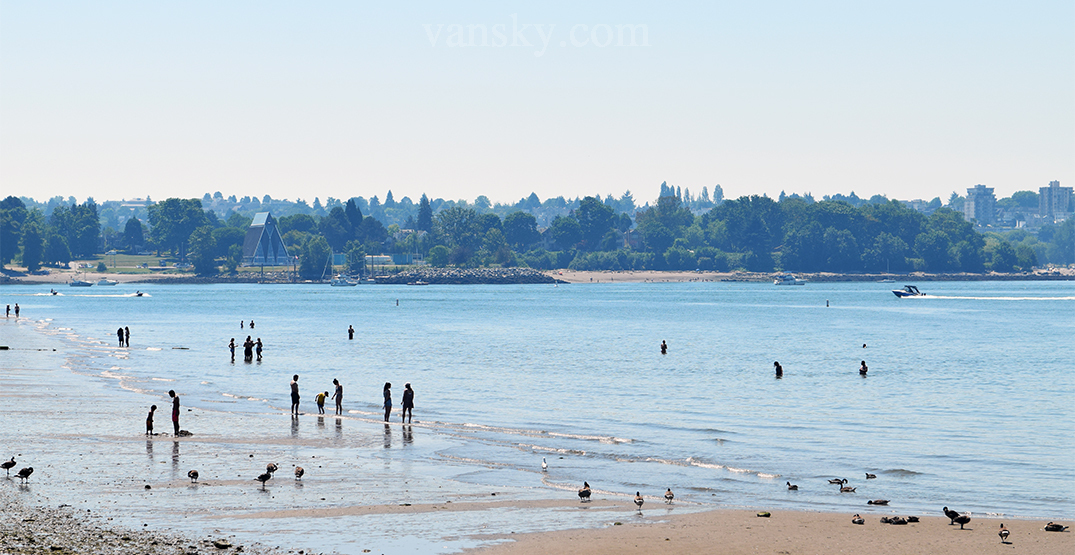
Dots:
pixel 968 401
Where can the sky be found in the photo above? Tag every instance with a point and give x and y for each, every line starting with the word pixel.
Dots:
pixel 325 99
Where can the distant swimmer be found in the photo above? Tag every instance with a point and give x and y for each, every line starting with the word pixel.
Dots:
pixel 863 345
pixel 242 324
pixel 350 332
pixel 779 369
pixel 863 369
pixel 664 347
pixel 258 345
pixel 251 324
pixel 232 347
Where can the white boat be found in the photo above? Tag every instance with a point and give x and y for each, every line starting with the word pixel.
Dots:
pixel 908 291
pixel 107 282
pixel 341 281
pixel 788 279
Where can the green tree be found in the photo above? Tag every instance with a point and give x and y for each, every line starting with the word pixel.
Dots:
pixel 933 248
pixel 888 253
pixel 227 237
pixel 233 258
pixel 1004 257
pixel 56 250
pixel 203 250
pixel 133 234
pixel 314 259
pixel 457 226
pixel 438 256
pixel 595 220
pixel 425 215
pixel 566 231
pixel 356 258
pixel 354 215
pixel 12 216
pixel 173 221
pixel 520 229
pixel 33 246
pixel 336 228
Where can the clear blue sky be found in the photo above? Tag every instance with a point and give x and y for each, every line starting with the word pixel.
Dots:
pixel 318 99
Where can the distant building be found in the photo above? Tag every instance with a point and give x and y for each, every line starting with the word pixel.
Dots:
pixel 263 245
pixel 980 205
pixel 1054 202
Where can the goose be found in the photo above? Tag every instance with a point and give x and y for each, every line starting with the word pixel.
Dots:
pixel 838 481
pixel 264 478
pixel 8 465
pixel 847 489
pixel 544 465
pixel 584 493
pixel 857 520
pixel 669 496
pixel 1003 533
pixel 898 520
pixel 870 476
pixel 1054 527
pixel 961 520
pixel 877 502
pixel 24 474
pixel 950 514
pixel 271 468
pixel 639 501
pixel 792 487
pixel 299 472
pixel 193 475
pixel 912 519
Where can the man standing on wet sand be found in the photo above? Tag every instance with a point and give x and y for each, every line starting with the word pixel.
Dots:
pixel 295 394
pixel 175 410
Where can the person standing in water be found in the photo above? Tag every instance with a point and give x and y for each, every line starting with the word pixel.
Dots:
pixel 408 403
pixel 863 369
pixel 248 349
pixel 779 369
pixel 338 395
pixel 664 347
pixel 257 344
pixel 149 420
pixel 320 398
pixel 119 333
pixel 251 324
pixel 16 311
pixel 175 410
pixel 350 332
pixel 127 335
pixel 295 394
pixel 232 347
pixel 387 400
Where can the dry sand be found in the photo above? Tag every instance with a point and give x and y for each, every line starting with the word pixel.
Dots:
pixel 735 532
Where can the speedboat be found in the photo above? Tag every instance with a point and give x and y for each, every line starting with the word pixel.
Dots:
pixel 788 279
pixel 80 283
pixel 908 291
pixel 341 281
pixel 107 282
pixel 138 293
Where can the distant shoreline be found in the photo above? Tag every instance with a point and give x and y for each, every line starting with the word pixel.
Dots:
pixel 514 276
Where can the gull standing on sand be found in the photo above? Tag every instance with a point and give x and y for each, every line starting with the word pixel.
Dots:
pixel 544 465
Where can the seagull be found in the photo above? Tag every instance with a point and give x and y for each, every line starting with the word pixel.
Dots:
pixel 870 476
pixel 858 520
pixel 877 502
pixel 584 493
pixel 193 475
pixel 299 472
pixel 962 519
pixel 639 501
pixel 838 481
pixel 669 496
pixel 1003 534
pixel 950 514
pixel 792 487
pixel 544 465
pixel 271 468
pixel 264 478
pixel 8 465
pixel 25 473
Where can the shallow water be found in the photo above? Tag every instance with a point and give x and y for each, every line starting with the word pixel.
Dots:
pixel 967 402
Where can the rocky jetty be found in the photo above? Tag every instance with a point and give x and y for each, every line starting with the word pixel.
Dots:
pixel 468 276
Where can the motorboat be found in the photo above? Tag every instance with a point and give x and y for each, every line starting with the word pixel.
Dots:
pixel 107 282
pixel 419 282
pixel 53 292
pixel 80 283
pixel 138 293
pixel 908 291
pixel 788 279
pixel 342 281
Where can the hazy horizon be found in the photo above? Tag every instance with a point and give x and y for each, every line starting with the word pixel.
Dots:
pixel 121 100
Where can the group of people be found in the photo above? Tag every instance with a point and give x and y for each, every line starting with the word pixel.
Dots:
pixel 175 414
pixel 124 335
pixel 408 402
pixel 405 416
pixel 250 347
pixel 780 369
pixel 8 313
pixel 320 398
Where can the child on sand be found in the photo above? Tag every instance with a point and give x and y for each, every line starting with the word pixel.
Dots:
pixel 321 402
pixel 149 420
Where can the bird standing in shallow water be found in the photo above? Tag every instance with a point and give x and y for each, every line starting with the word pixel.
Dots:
pixel 584 493
pixel 669 496
pixel 8 465
pixel 792 487
pixel 639 501
pixel 193 475
pixel 264 478
pixel 544 465
pixel 299 472
pixel 1003 534
pixel 25 473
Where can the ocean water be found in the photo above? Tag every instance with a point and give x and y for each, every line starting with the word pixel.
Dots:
pixel 967 403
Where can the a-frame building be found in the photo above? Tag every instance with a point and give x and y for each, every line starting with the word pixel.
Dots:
pixel 263 245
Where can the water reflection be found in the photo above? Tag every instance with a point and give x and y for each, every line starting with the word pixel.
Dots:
pixel 387 436
pixel 320 421
pixel 408 435
pixel 294 425
pixel 339 428
pixel 175 457
pixel 149 449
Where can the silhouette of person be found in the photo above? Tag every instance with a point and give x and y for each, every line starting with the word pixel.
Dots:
pixel 175 410
pixel 408 403
pixel 664 348
pixel 232 347
pixel 127 335
pixel 119 333
pixel 295 394
pixel 259 346
pixel 350 332
pixel 338 395
pixel 863 369
pixel 387 400
pixel 779 369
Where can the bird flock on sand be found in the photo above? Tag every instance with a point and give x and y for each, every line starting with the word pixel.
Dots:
pixel 23 473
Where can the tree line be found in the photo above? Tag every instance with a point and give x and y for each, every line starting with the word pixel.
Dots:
pixel 677 232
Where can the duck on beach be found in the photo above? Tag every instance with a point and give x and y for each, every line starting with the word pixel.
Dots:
pixel 950 514
pixel 264 478
pixel 639 500
pixel 8 465
pixel 271 468
pixel 24 474
pixel 299 472
pixel 193 475
pixel 1004 532
pixel 857 519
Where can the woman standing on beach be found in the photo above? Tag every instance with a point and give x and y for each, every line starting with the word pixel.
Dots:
pixel 338 395
pixel 175 410
pixel 387 400
pixel 408 403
